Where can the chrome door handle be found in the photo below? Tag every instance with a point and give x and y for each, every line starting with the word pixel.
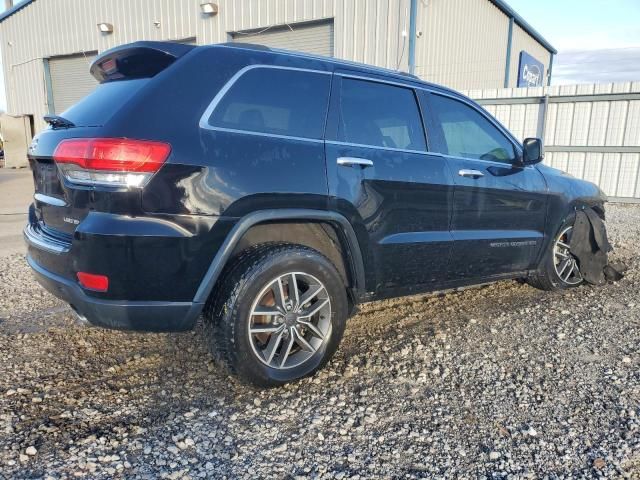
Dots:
pixel 354 162
pixel 470 173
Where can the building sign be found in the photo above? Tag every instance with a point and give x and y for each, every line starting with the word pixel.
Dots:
pixel 530 71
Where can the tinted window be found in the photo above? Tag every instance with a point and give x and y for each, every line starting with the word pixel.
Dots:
pixel 276 101
pixel 468 134
pixel 380 115
pixel 100 105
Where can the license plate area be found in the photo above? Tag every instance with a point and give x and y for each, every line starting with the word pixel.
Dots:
pixel 46 179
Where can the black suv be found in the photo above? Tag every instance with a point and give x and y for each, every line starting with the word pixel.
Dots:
pixel 272 191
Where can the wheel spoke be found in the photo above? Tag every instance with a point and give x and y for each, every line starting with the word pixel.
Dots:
pixel 272 346
pixel 315 308
pixel 573 267
pixel 278 293
pixel 564 265
pixel 299 339
pixel 266 311
pixel 294 294
pixel 287 350
pixel 312 327
pixel 310 294
pixel 266 328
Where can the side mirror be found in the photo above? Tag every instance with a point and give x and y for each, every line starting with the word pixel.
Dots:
pixel 533 151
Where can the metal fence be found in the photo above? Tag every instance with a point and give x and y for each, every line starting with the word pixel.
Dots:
pixel 589 131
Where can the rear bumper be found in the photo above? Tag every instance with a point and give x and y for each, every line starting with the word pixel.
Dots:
pixel 149 316
pixel 161 258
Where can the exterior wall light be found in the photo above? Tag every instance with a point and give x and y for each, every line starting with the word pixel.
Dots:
pixel 209 8
pixel 105 28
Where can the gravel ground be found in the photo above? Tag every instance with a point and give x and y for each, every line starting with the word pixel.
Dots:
pixel 491 382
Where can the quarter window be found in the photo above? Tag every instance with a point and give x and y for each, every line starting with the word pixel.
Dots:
pixel 276 101
pixel 380 115
pixel 468 134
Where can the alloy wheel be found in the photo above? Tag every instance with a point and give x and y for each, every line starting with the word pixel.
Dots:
pixel 290 320
pixel 565 263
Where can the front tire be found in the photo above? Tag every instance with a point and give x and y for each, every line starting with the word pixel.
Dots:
pixel 559 268
pixel 278 315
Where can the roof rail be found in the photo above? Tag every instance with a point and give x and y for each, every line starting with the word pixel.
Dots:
pixel 310 56
pixel 407 74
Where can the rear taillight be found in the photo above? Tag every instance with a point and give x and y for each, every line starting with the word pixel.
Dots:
pixel 110 161
pixel 91 281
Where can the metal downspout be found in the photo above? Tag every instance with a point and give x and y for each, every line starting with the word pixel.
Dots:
pixel 507 66
pixel 413 13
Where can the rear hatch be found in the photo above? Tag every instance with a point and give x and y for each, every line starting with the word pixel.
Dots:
pixel 66 193
pixel 61 205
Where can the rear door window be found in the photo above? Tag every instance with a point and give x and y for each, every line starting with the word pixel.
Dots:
pixel 276 101
pixel 469 134
pixel 380 115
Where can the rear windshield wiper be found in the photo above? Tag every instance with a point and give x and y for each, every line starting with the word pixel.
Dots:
pixel 56 121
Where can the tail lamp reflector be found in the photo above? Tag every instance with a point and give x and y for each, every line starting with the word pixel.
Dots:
pixel 110 161
pixel 91 281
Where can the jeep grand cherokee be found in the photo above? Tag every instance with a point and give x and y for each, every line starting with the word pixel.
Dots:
pixel 270 192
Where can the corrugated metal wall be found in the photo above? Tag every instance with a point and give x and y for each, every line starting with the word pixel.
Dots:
pixel 463 44
pixel 590 131
pixel 69 80
pixel 367 31
pixel 311 37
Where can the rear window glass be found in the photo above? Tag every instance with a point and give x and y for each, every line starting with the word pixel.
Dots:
pixel 275 101
pixel 102 103
pixel 380 115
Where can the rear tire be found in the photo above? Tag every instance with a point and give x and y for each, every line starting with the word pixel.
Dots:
pixel 278 314
pixel 558 269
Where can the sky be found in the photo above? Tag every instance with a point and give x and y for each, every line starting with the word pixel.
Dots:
pixel 598 41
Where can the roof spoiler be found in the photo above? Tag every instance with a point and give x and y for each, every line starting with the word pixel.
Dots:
pixel 137 60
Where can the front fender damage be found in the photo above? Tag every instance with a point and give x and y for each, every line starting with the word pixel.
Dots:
pixel 590 245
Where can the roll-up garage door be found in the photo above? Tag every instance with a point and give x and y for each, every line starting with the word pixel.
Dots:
pixel 311 37
pixel 70 79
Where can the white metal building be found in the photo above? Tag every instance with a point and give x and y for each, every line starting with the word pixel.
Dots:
pixel 465 44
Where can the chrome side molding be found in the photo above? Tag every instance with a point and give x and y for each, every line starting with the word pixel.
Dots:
pixel 56 202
